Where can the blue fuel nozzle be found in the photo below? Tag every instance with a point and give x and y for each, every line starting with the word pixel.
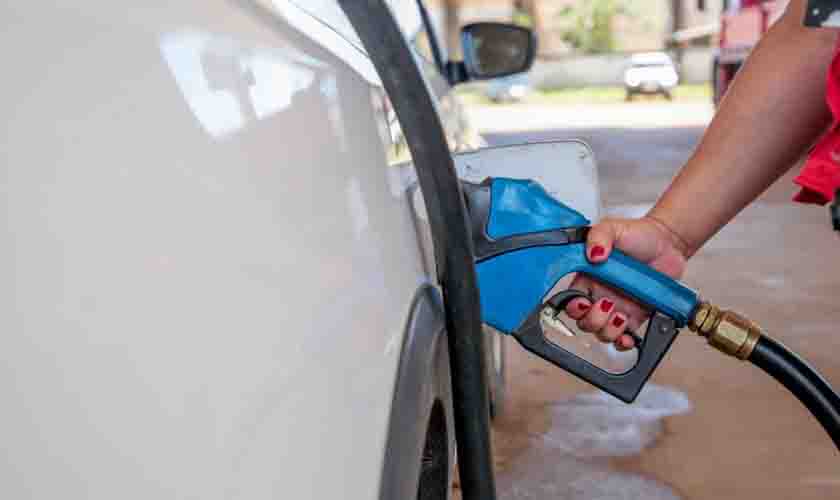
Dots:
pixel 525 242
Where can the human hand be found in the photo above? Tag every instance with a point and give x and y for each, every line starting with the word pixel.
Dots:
pixel 646 239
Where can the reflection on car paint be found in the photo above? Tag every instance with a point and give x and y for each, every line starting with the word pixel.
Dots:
pixel 227 84
pixel 390 131
pixel 357 208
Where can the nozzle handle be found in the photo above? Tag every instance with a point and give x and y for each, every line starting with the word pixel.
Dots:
pixel 652 288
pixel 514 283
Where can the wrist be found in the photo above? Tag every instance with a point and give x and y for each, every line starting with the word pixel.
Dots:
pixel 678 241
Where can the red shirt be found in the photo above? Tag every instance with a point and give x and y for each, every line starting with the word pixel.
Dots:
pixel 820 177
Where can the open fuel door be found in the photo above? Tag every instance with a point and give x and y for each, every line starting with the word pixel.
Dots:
pixel 566 169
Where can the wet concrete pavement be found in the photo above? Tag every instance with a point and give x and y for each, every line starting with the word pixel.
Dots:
pixel 709 427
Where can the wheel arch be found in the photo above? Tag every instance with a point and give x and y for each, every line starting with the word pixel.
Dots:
pixel 422 382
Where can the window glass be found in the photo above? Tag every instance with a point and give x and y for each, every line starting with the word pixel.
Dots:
pixel 423 45
pixel 330 13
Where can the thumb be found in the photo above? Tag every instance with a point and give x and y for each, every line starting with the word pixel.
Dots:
pixel 602 237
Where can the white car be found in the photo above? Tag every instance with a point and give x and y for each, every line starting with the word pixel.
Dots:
pixel 650 73
pixel 217 276
pixel 508 89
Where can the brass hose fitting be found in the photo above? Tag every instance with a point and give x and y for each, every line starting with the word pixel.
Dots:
pixel 727 331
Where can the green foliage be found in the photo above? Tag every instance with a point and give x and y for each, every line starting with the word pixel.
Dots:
pixel 521 15
pixel 588 25
pixel 522 18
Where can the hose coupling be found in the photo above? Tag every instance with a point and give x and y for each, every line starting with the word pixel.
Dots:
pixel 726 331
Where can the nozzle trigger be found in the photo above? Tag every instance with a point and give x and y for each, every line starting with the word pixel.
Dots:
pixel 661 332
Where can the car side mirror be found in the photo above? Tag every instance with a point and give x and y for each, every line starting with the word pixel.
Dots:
pixel 493 50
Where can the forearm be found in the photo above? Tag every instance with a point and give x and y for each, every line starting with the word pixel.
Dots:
pixel 772 113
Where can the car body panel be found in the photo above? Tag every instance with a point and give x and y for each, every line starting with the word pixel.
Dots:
pixel 208 254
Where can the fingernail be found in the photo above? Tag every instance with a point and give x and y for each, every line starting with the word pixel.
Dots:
pixel 618 321
pixel 606 304
pixel 597 251
pixel 583 306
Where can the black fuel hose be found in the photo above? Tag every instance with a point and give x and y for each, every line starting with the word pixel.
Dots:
pixel 738 336
pixel 454 252
pixel 802 381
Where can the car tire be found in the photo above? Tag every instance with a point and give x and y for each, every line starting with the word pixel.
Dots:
pixel 436 469
pixel 668 95
pixel 495 352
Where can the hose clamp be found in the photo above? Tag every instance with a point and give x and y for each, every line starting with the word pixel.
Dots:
pixel 726 331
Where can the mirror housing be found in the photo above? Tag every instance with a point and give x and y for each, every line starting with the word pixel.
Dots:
pixel 493 50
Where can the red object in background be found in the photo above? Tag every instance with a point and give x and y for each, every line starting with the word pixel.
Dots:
pixel 820 177
pixel 741 26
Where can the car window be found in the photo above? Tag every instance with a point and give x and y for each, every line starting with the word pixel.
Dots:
pixel 423 45
pixel 407 13
pixel 425 41
pixel 330 13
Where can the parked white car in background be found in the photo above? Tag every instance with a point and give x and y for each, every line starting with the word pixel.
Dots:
pixel 213 280
pixel 513 88
pixel 650 73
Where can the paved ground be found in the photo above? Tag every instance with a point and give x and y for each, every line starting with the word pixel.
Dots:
pixel 710 427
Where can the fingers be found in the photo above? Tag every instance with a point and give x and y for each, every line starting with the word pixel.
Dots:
pixel 604 321
pixel 616 325
pixel 578 308
pixel 600 241
pixel 609 317
pixel 625 343
pixel 597 318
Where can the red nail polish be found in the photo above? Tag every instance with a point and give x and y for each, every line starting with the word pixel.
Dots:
pixel 597 251
pixel 618 321
pixel 606 305
pixel 583 306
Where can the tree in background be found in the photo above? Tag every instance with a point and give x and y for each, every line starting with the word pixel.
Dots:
pixel 588 26
pixel 527 13
pixel 677 8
